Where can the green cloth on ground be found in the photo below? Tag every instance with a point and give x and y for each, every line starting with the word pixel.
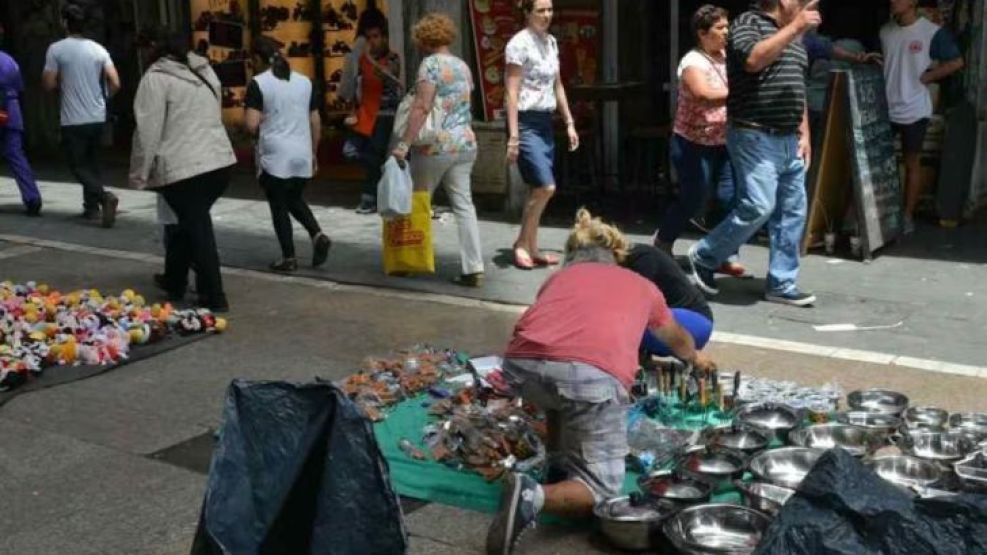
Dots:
pixel 429 480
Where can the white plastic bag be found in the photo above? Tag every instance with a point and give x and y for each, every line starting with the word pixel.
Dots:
pixel 394 190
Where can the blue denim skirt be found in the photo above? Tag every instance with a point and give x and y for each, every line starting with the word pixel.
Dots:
pixel 536 153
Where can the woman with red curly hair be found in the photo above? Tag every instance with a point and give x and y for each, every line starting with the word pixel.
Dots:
pixel 448 160
pixel 534 93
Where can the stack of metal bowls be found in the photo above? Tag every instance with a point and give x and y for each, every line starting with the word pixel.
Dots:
pixel 716 528
pixel 972 472
pixel 973 424
pixel 932 418
pixel 881 401
pixel 857 441
pixel 941 446
pixel 773 419
pixel 907 472
pixel 785 467
pixel 630 523
pixel 881 425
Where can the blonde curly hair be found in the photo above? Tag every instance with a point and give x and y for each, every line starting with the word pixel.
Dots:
pixel 591 233
pixel 434 30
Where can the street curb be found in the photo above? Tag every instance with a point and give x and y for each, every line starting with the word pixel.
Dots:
pixel 823 351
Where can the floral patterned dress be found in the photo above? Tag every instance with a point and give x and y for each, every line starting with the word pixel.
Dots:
pixel 453 83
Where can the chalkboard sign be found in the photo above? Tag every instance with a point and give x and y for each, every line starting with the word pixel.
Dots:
pixel 877 188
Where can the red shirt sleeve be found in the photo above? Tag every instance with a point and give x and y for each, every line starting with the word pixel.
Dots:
pixel 659 313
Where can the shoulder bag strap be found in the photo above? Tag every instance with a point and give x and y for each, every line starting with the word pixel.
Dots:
pixel 203 79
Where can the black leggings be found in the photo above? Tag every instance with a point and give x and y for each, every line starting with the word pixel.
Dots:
pixel 285 197
pixel 193 242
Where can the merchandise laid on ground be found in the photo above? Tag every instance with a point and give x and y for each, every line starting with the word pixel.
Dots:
pixel 48 337
pixel 719 463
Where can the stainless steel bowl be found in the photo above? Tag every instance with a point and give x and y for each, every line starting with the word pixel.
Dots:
pixel 785 467
pixel 716 528
pixel 746 441
pixel 972 471
pixel 925 417
pixel 906 471
pixel 678 489
pixel 975 422
pixel 771 418
pixel 881 401
pixel 712 465
pixel 855 440
pixel 934 445
pixel 631 525
pixel 764 497
pixel 883 425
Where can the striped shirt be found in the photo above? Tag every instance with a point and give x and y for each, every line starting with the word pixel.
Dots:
pixel 775 96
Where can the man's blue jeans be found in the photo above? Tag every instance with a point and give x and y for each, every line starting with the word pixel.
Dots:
pixel 770 179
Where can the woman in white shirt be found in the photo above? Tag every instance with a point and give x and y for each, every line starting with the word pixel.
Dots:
pixel 282 111
pixel 534 93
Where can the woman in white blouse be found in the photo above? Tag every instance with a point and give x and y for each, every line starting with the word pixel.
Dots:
pixel 534 93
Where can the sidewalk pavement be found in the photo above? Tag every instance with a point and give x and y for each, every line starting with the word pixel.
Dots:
pixel 925 295
pixel 116 464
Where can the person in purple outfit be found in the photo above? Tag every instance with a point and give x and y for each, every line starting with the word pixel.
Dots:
pixel 12 133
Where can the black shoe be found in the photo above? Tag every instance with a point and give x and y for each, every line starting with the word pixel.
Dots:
pixel 90 214
pixel 162 283
pixel 320 251
pixel 33 209
pixel 795 297
pixel 366 208
pixel 218 305
pixel 516 514
pixel 284 265
pixel 469 280
pixel 701 276
pixel 109 206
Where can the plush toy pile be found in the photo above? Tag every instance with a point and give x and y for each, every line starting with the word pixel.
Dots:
pixel 41 328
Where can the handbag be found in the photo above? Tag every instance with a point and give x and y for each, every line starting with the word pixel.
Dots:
pixel 429 132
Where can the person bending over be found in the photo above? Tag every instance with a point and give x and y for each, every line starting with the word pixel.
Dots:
pixel 574 354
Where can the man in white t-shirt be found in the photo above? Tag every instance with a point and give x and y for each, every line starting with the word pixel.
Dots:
pixel 81 69
pixel 917 52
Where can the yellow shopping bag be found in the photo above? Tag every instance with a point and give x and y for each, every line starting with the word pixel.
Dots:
pixel 408 239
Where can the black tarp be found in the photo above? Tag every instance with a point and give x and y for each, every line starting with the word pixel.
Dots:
pixel 297 470
pixel 845 508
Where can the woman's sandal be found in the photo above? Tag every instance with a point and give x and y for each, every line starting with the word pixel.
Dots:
pixel 522 259
pixel 546 259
